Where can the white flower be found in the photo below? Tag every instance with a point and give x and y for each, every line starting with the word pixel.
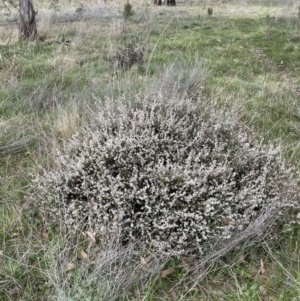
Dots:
pixel 164 173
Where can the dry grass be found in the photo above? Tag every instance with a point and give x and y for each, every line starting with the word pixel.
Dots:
pixel 48 88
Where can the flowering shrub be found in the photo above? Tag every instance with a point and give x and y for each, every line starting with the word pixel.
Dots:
pixel 166 172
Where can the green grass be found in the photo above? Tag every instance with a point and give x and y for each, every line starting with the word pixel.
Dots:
pixel 48 87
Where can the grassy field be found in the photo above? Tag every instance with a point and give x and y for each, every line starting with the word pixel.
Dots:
pixel 245 57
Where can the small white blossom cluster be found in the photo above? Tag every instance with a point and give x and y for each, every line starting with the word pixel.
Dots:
pixel 165 172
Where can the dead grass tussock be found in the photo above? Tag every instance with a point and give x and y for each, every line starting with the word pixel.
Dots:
pixel 68 121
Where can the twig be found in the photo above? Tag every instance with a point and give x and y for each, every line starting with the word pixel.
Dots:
pixel 15 146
